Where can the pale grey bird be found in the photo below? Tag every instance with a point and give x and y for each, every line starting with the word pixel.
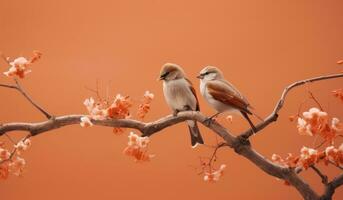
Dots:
pixel 180 96
pixel 222 95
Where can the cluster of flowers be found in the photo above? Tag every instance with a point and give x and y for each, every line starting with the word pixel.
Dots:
pixel 211 174
pixel 309 157
pixel 214 175
pixel 316 122
pixel 9 163
pixel 119 109
pixel 334 155
pixel 19 66
pixel 137 148
pixel 144 107
pixel 338 93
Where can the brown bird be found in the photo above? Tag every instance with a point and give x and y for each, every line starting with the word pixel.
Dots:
pixel 180 96
pixel 222 95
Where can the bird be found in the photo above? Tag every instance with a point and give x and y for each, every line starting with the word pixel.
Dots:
pixel 180 96
pixel 223 96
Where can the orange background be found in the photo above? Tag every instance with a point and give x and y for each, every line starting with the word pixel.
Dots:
pixel 261 46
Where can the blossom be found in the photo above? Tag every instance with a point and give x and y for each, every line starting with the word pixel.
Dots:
pixel 22 146
pixel 308 157
pixel 119 109
pixel 335 155
pixel 89 103
pixel 277 159
pixel 316 122
pixel 144 107
pixel 137 148
pixel 17 166
pixel 336 124
pixel 96 110
pixel 291 117
pixel 148 95
pixel 4 154
pixel 85 122
pixel 137 141
pixel 101 110
pixel 338 93
pixel 4 171
pixel 229 118
pixel 36 56
pixel 133 139
pixel 303 127
pixel 18 67
pixel 214 176
pixel 118 130
pixel 289 161
pixel 316 119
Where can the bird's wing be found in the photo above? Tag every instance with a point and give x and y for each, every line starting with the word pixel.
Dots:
pixel 227 94
pixel 194 93
pixel 232 87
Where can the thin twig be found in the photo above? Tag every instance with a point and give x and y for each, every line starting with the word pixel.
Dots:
pixel 4 58
pixel 14 151
pixel 321 144
pixel 214 154
pixel 300 107
pixel 20 89
pixel 274 115
pixel 10 139
pixel 320 174
pixel 315 100
pixel 334 164
pixel 9 86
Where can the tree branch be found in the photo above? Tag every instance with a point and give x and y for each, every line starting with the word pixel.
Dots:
pixel 331 187
pixel 20 89
pixel 240 144
pixel 320 174
pixel 274 115
pixel 8 86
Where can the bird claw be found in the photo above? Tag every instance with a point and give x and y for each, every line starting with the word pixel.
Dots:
pixel 175 113
pixel 209 120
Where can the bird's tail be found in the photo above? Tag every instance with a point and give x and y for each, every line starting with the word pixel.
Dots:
pixel 196 137
pixel 257 116
pixel 250 108
pixel 245 115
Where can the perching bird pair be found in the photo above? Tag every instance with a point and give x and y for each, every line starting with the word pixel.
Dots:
pixel 180 95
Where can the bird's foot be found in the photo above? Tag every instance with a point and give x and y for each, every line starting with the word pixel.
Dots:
pixel 186 107
pixel 175 113
pixel 209 120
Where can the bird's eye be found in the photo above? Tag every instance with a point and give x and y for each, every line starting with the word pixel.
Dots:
pixel 165 74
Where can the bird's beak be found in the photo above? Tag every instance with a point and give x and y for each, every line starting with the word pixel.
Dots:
pixel 160 78
pixel 200 77
pixel 163 76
